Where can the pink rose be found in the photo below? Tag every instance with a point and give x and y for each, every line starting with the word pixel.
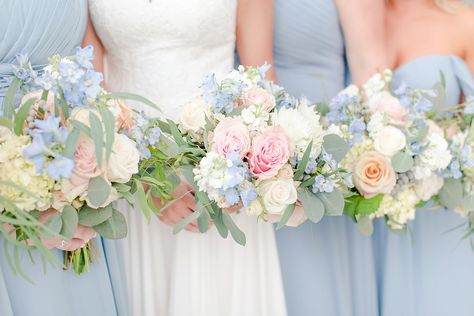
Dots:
pixel 385 102
pixel 85 168
pixel 373 174
pixel 231 135
pixel 270 151
pixel 258 95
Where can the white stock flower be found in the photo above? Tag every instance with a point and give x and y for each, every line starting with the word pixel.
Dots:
pixel 434 157
pixel 255 117
pixel 376 123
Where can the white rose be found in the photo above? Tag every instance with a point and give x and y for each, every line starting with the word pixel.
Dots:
pixel 124 158
pixel 193 115
pixel 389 141
pixel 428 187
pixel 277 194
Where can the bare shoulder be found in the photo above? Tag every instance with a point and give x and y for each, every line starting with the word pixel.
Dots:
pixel 466 17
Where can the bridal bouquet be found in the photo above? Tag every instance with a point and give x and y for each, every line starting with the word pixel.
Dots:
pixel 66 155
pixel 251 146
pixel 397 155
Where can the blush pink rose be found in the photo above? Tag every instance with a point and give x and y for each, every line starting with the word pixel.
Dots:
pixel 373 174
pixel 385 102
pixel 231 135
pixel 258 95
pixel 270 151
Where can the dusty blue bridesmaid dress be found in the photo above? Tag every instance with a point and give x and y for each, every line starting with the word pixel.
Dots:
pixel 328 268
pixel 429 271
pixel 41 28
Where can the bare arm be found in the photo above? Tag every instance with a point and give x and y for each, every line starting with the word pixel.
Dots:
pixel 363 25
pixel 469 55
pixel 91 38
pixel 255 33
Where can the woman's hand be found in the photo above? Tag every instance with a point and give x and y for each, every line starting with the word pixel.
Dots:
pixel 81 236
pixel 183 205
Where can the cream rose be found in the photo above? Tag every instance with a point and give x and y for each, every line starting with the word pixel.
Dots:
pixel 193 115
pixel 373 175
pixel 389 141
pixel 428 187
pixel 277 194
pixel 124 159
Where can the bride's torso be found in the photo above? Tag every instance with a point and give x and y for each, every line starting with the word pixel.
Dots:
pixel 161 49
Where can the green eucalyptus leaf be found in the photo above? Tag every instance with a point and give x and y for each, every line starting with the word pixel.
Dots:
pixel 133 97
pixel 186 221
pixel 313 207
pixel 54 224
pixel 203 220
pixel 468 202
pixel 335 146
pixel 178 138
pixel 304 162
pixel 286 216
pixel 6 123
pixel 22 114
pixel 322 108
pixel 97 135
pixel 219 223
pixel 9 101
pixel 451 194
pixel 113 228
pixel 91 217
pixel 142 201
pixel 402 162
pixel 333 202
pixel 109 127
pixel 98 191
pixel 81 127
pixel 71 142
pixel 235 232
pixel 121 187
pixel 70 220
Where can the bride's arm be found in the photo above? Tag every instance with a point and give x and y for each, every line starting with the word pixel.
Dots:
pixel 91 38
pixel 363 25
pixel 255 33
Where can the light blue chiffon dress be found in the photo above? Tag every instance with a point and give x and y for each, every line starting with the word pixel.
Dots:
pixel 328 268
pixel 429 271
pixel 41 28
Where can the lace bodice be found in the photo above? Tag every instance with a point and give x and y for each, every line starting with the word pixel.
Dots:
pixel 161 49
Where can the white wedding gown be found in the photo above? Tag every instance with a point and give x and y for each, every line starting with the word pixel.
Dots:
pixel 161 49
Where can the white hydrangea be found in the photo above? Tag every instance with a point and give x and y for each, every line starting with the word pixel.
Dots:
pixel 375 85
pixel 355 152
pixel 14 168
pixel 435 156
pixel 376 123
pixel 302 126
pixel 255 117
pixel 399 209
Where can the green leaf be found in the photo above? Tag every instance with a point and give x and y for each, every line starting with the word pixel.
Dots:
pixel 402 162
pixel 322 108
pixel 109 126
pixel 54 224
pixel 219 223
pixel 186 221
pixel 333 202
pixel 64 106
pixel 70 220
pixel 142 201
pixel 178 138
pixel 71 142
pixel 98 191
pixel 204 219
pixel 114 228
pixel 133 97
pixel 121 187
pixel 335 146
pixel 97 136
pixel 468 202
pixel 91 217
pixel 313 207
pixel 235 232
pixel 82 127
pixel 304 162
pixel 369 206
pixel 22 114
pixel 286 216
pixel 350 206
pixel 9 101
pixel 451 194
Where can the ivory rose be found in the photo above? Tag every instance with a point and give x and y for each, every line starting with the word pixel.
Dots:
pixel 270 151
pixel 193 115
pixel 258 96
pixel 389 141
pixel 277 194
pixel 231 134
pixel 385 102
pixel 373 175
pixel 124 159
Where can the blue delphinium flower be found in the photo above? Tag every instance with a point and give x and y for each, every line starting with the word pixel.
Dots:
pixel 323 184
pixel 50 130
pixel 144 134
pixel 60 167
pixel 36 153
pixel 24 71
pixel 84 56
pixel 248 194
pixel 357 129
